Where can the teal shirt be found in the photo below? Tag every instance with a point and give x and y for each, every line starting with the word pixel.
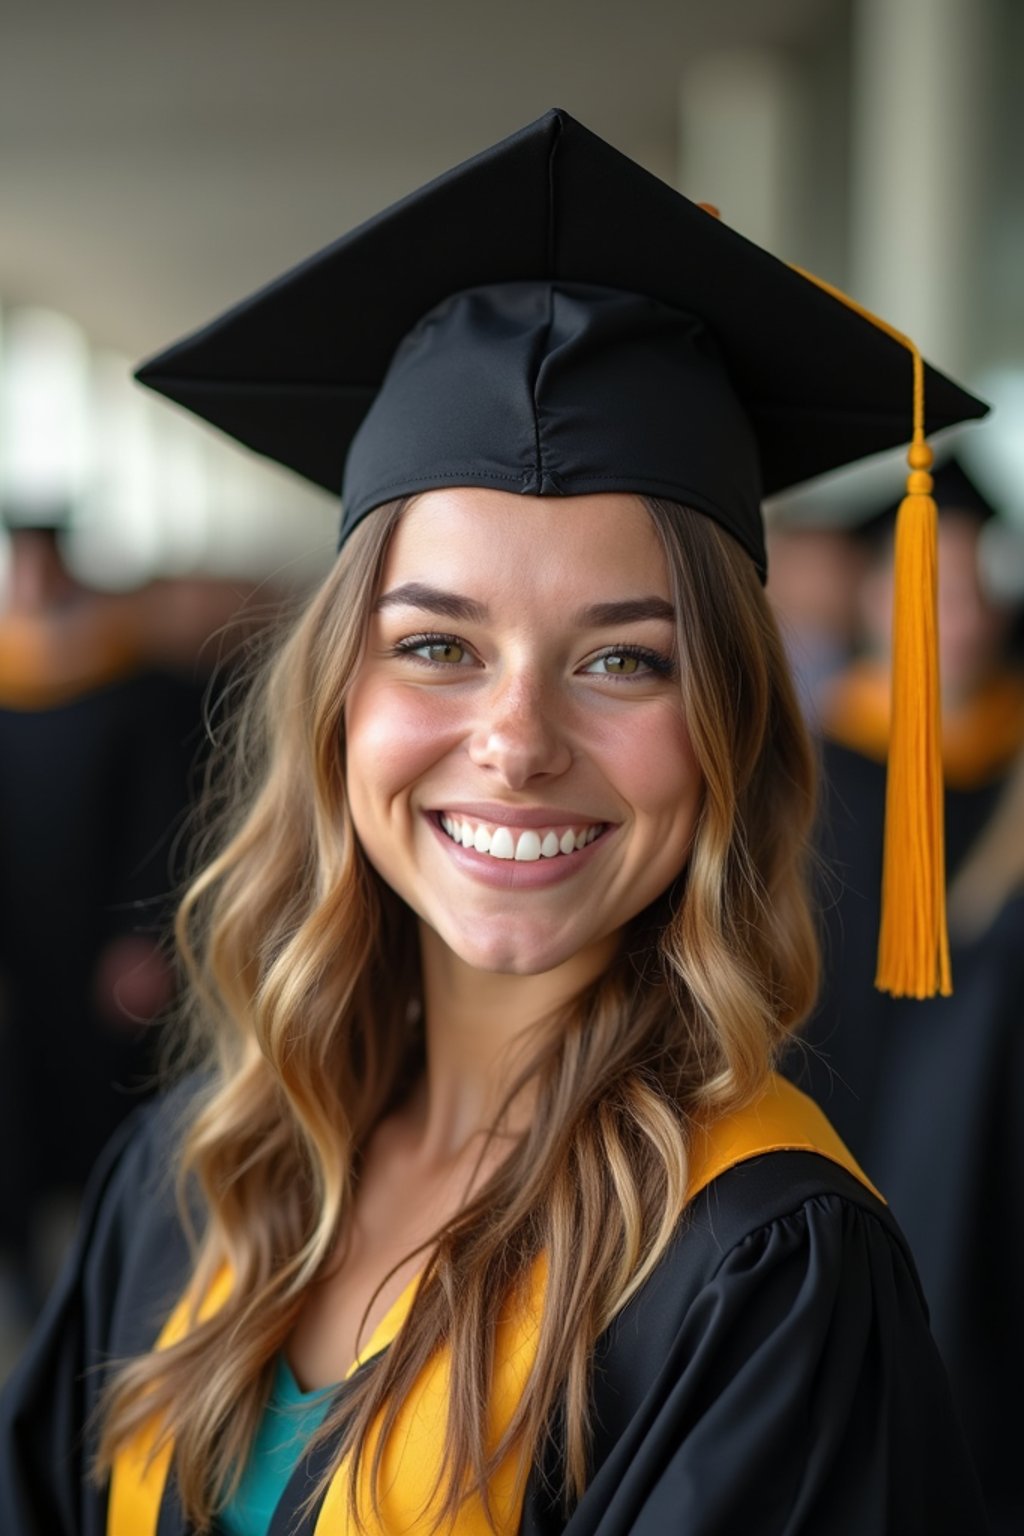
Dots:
pixel 291 1419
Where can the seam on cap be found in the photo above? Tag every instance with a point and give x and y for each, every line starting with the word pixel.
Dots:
pixel 454 474
pixel 538 447
pixel 542 345
pixel 556 138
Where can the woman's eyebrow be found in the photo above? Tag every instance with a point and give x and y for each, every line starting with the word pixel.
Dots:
pixel 631 610
pixel 416 594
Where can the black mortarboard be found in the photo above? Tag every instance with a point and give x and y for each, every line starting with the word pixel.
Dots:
pixel 550 318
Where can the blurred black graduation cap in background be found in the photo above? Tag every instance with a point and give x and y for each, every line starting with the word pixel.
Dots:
pixel 19 514
pixel 953 491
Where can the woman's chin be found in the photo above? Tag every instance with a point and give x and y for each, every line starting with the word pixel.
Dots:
pixel 512 960
pixel 513 950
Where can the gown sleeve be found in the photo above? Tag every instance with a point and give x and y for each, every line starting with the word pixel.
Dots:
pixel 793 1390
pixel 128 1257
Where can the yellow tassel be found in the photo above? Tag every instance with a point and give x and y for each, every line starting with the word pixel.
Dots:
pixel 913 948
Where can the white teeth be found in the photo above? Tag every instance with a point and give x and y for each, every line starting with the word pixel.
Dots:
pixel 526 847
pixel 502 846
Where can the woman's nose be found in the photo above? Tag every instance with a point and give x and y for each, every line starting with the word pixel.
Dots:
pixel 518 735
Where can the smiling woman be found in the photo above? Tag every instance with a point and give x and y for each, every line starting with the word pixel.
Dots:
pixel 501 1219
pixel 552 717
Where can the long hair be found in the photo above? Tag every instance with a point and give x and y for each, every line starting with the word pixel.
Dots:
pixel 304 978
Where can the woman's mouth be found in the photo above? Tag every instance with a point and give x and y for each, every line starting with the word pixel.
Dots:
pixel 524 845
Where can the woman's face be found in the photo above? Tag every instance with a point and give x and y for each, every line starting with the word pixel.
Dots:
pixel 518 763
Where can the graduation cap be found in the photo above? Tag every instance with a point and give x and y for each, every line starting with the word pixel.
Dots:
pixel 550 319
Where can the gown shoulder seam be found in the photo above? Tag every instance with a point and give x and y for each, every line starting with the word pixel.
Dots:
pixel 855 1197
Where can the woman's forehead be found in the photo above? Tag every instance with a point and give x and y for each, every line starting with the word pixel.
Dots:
pixel 464 535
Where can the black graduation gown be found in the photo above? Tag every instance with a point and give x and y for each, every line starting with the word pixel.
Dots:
pixel 92 793
pixel 776 1375
pixel 928 1096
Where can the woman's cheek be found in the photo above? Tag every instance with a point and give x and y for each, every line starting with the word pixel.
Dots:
pixel 652 758
pixel 394 734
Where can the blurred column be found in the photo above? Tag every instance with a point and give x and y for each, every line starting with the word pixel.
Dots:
pixel 739 132
pixel 44 415
pixel 919 138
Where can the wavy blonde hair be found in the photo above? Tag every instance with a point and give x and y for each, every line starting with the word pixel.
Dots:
pixel 304 975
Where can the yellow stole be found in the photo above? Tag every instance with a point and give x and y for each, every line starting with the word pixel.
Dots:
pixel 979 739
pixel 783 1119
pixel 44 664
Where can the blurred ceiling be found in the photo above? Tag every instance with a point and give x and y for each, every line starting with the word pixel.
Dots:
pixel 158 162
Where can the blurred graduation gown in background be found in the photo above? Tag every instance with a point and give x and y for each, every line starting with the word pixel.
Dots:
pixel 928 1094
pixel 96 743
pixel 101 704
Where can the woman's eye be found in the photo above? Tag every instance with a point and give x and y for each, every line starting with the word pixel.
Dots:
pixel 442 650
pixel 621 666
pixel 438 650
pixel 628 663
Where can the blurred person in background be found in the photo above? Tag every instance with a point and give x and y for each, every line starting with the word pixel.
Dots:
pixel 979 670
pixel 814 580
pixel 100 727
pixel 929 1094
